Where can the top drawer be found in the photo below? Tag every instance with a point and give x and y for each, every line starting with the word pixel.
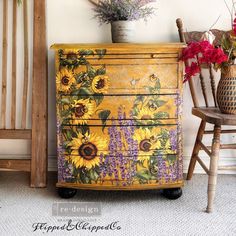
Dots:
pixel 87 71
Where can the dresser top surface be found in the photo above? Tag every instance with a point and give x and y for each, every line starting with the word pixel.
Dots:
pixel 124 47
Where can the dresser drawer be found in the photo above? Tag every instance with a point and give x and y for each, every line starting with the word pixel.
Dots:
pixel 121 152
pixel 145 110
pixel 136 76
pixel 113 74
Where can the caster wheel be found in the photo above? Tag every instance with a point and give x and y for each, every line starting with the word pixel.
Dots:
pixel 172 193
pixel 66 192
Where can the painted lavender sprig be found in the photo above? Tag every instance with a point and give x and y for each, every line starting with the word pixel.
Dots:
pixel 120 163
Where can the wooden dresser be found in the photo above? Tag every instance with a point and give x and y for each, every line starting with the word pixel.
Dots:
pixel 119 109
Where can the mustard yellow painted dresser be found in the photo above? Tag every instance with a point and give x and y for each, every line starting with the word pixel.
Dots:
pixel 119 109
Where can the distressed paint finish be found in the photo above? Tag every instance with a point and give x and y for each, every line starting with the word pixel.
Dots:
pixel 119 116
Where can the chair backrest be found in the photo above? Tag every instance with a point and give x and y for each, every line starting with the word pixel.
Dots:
pixel 197 36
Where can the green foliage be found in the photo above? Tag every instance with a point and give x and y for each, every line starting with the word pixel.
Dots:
pixel 101 52
pixel 103 116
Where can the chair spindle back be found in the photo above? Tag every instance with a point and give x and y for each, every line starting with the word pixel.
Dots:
pixel 197 36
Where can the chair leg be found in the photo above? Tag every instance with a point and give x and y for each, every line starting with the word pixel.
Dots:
pixel 212 179
pixel 196 149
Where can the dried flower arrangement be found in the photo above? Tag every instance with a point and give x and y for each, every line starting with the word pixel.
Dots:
pixel 108 11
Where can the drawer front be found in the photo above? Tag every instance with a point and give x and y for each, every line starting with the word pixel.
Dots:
pixel 98 110
pixel 116 76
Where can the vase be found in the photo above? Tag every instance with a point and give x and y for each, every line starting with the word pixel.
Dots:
pixel 226 91
pixel 122 31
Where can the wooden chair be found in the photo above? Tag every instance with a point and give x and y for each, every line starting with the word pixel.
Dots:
pixel 37 165
pixel 207 114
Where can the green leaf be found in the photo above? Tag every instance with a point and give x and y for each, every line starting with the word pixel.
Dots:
pixel 101 71
pixel 144 174
pixel 80 77
pixel 98 97
pixel 161 114
pixel 85 129
pixel 65 100
pixel 84 93
pixel 103 115
pixel 86 52
pixel 91 72
pixel 158 84
pixel 160 103
pixel 82 61
pixel 101 52
pixel 65 113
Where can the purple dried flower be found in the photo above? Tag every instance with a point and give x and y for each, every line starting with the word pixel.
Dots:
pixel 108 11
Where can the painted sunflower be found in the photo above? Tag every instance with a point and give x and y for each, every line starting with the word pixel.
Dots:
pixel 145 115
pixel 86 150
pixel 82 110
pixel 147 143
pixel 64 79
pixel 70 55
pixel 100 84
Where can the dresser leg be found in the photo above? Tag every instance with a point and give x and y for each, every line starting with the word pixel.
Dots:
pixel 66 192
pixel 172 193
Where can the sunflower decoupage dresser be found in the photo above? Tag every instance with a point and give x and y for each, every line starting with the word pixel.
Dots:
pixel 119 109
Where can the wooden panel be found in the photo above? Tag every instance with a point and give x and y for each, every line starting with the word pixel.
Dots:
pixel 39 98
pixel 15 134
pixel 21 165
pixel 121 48
pixel 26 64
pixel 14 65
pixel 4 63
pixel 109 187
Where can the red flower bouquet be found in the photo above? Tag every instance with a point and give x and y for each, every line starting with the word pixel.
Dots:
pixel 198 53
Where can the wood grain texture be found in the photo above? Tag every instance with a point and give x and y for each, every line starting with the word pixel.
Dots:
pixel 109 187
pixel 15 134
pixel 4 62
pixel 213 85
pixel 14 65
pixel 214 116
pixel 203 86
pixel 196 150
pixel 14 164
pixel 39 98
pixel 213 168
pixel 121 48
pixel 26 64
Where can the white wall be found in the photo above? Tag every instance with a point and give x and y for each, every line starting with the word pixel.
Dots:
pixel 71 21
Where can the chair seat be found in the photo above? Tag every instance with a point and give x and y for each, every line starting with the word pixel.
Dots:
pixel 214 116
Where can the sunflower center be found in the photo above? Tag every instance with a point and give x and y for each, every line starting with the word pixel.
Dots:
pixel 145 145
pixel 100 84
pixel 88 151
pixel 152 107
pixel 72 56
pixel 146 117
pixel 80 110
pixel 65 80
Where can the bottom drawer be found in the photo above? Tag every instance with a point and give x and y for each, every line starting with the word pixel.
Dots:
pixel 160 168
